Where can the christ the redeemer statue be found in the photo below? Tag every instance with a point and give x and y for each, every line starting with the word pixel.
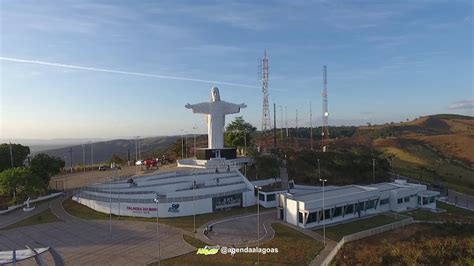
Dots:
pixel 215 111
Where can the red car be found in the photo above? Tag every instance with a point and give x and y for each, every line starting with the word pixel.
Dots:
pixel 149 163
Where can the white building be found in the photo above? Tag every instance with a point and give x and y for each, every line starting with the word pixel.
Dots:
pixel 175 193
pixel 310 209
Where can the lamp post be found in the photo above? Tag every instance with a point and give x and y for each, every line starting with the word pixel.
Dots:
pixel 136 154
pixel 11 154
pixel 319 170
pixel 182 144
pixel 186 143
pixel 157 200
pixel 258 223
pixel 92 156
pixel 65 158
pixel 194 136
pixel 118 192
pixel 110 207
pixel 373 171
pixel 194 202
pixel 245 141
pixel 83 158
pixel 324 214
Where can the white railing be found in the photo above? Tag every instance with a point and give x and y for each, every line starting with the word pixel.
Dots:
pixel 364 234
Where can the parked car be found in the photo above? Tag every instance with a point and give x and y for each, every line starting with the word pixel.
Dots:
pixel 139 163
pixel 103 168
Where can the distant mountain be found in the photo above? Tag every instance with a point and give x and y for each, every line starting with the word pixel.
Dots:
pixel 104 150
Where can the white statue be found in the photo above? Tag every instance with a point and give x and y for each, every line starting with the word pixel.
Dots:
pixel 215 111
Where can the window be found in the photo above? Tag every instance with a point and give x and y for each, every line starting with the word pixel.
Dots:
pixel 350 209
pixel 261 197
pixel 400 200
pixel 312 218
pixel 384 201
pixel 300 217
pixel 407 199
pixel 337 212
pixel 425 201
pixel 371 204
pixel 327 214
pixel 419 200
pixel 270 197
pixel 432 199
pixel 360 206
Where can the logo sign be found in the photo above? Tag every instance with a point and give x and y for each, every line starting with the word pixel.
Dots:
pixel 140 209
pixel 208 250
pixel 226 202
pixel 174 208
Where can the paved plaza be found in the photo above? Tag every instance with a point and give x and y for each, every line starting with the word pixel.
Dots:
pixel 84 242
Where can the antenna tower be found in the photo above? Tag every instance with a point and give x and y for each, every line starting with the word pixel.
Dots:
pixel 325 132
pixel 266 124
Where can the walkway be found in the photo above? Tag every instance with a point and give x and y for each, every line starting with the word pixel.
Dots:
pixel 240 230
pixel 86 242
pixel 20 215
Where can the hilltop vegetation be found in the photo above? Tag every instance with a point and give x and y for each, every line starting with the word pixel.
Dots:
pixel 436 149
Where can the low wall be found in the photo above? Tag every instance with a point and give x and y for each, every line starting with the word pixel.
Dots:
pixel 12 208
pixel 460 199
pixel 364 234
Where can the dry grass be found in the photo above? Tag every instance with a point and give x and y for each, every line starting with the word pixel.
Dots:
pixel 457 146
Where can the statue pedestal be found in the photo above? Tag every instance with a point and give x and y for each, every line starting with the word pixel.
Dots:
pixel 224 153
pixel 28 209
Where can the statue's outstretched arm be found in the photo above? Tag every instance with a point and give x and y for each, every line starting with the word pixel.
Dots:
pixel 243 105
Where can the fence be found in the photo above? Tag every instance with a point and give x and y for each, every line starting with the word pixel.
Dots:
pixel 364 234
pixel 460 199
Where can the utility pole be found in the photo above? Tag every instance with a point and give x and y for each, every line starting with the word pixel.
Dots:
pixel 83 158
pixel 286 121
pixel 373 171
pixel 70 157
pixel 296 137
pixel 274 127
pixel 92 156
pixel 281 123
pixel 11 154
pixel 311 124
pixel 194 136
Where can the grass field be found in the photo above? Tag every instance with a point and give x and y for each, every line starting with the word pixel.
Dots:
pixel 43 217
pixel 416 244
pixel 452 214
pixel 336 232
pixel 186 223
pixel 414 159
pixel 294 248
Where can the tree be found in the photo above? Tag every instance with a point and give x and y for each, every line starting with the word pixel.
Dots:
pixel 19 154
pixel 46 166
pixel 237 132
pixel 20 182
pixel 117 159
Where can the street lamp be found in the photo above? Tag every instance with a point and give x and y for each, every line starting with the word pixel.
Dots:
pixel 258 223
pixel 324 213
pixel 182 144
pixel 319 170
pixel 194 136
pixel 373 171
pixel 194 202
pixel 92 155
pixel 186 150
pixel 118 192
pixel 157 201
pixel 110 208
pixel 83 158
pixel 65 157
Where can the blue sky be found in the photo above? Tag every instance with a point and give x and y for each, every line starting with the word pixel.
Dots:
pixel 387 61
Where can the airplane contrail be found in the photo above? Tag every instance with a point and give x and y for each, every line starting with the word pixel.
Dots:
pixel 26 61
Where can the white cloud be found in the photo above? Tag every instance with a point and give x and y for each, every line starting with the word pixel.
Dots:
pixel 463 104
